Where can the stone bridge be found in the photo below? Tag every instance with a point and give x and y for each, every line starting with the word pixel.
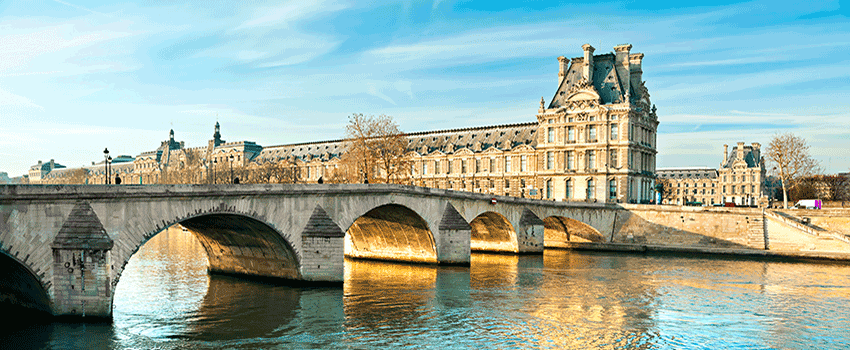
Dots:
pixel 63 248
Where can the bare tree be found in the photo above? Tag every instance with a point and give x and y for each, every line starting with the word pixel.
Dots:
pixel 376 151
pixel 789 155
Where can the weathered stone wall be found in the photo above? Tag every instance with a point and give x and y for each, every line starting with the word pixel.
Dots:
pixel 690 226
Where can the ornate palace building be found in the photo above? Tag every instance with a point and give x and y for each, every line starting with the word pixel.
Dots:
pixel 593 141
pixel 740 180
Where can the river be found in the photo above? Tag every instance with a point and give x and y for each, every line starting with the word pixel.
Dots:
pixel 560 300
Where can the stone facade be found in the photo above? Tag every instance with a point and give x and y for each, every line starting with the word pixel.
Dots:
pixel 740 179
pixel 594 141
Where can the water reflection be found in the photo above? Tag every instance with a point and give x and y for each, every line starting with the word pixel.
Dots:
pixel 560 300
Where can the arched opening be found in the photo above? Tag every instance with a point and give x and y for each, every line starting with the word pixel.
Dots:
pixel 237 244
pixel 493 232
pixel 166 293
pixel 558 230
pixel 233 245
pixel 21 294
pixel 391 232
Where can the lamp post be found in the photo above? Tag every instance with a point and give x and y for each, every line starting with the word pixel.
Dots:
pixel 215 162
pixel 231 169
pixel 106 166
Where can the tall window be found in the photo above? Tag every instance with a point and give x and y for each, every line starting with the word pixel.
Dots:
pixel 449 166
pixel 424 167
pixel 571 134
pixel 523 163
pixel 507 164
pixel 571 160
pixel 591 133
pixel 477 165
pixel 436 167
pixel 569 191
pixel 591 189
pixel 548 189
pixel 550 135
pixel 550 160
pixel 591 159
pixel 613 158
pixel 492 164
pixel 612 189
pixel 615 131
pixel 463 168
pixel 508 183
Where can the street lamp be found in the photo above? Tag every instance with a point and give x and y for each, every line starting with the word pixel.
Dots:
pixel 215 161
pixel 231 169
pixel 106 166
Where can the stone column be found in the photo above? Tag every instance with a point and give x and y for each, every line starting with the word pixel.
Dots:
pixel 82 266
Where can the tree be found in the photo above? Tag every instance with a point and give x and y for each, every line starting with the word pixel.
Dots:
pixel 375 151
pixel 789 155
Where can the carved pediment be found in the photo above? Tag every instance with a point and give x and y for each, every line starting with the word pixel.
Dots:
pixel 492 149
pixel 464 151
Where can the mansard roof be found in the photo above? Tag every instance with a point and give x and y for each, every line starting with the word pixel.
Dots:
pixel 605 80
pixel 501 137
pixel 751 156
pixel 687 173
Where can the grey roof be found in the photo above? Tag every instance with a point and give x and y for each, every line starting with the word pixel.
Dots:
pixel 502 137
pixel 687 173
pixel 606 81
pixel 751 156
pixel 477 139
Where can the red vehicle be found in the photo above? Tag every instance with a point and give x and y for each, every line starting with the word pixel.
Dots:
pixel 729 204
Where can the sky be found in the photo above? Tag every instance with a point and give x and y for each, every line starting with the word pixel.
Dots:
pixel 80 76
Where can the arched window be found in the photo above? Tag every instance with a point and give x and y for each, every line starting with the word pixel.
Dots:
pixel 549 189
pixel 612 189
pixel 569 191
pixel 591 189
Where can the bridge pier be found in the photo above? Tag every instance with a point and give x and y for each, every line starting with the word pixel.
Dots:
pixel 454 237
pixel 529 233
pixel 82 266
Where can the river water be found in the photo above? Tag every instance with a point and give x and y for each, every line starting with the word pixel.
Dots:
pixel 560 300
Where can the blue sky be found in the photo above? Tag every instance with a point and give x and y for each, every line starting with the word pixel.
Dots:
pixel 77 76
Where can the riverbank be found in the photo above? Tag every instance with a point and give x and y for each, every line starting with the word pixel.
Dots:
pixel 816 256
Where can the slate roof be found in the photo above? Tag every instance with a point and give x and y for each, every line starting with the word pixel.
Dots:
pixel 751 157
pixel 608 84
pixel 477 139
pixel 686 173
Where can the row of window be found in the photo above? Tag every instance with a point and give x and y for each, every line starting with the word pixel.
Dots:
pixel 590 133
pixel 589 193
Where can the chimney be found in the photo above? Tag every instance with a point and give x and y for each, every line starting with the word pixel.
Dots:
pixel 725 154
pixel 636 73
pixel 740 153
pixel 621 62
pixel 562 69
pixel 587 72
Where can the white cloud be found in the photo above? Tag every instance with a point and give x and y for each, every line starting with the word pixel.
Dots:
pixel 285 14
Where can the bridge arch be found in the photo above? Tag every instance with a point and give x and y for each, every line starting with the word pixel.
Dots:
pixel 492 231
pixel 235 243
pixel 391 232
pixel 559 230
pixel 21 288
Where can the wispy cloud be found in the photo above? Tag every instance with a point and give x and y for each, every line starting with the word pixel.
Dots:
pixel 285 14
pixel 78 7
